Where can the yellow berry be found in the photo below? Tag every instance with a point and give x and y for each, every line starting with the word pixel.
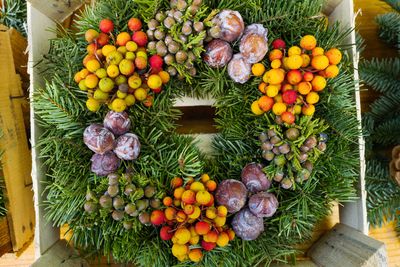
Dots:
pixel 100 95
pixel 182 235
pixel 222 211
pixel 197 186
pixel 203 197
pixel 121 95
pixel 274 76
pixel 308 110
pixel 107 49
pixel 118 105
pixel 223 239
pixel 131 46
pixel 320 62
pixel 205 177
pixel 195 255
pixel 154 81
pixel 93 65
pixel 272 90
pixel 112 71
pixel 294 50
pixel 92 105
pixel 318 83
pixel 294 62
pixel 255 108
pixel 334 55
pixel 179 250
pixel 308 42
pixel 258 69
pixel 312 98
pixel 276 63
pixel 82 85
pixel 317 51
pixel 101 73
pixel 220 221
pixel 211 213
pixel 140 94
pixel 91 81
pixel 278 108
pixel 306 60
pixel 331 71
pixel 130 100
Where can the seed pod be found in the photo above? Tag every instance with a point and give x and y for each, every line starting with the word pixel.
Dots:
pixel 172 71
pixel 193 9
pixel 178 16
pixel 197 2
pixel 218 53
pixel 113 190
pixel 308 165
pixel 303 157
pixel 161 48
pixel 139 192
pixel 98 139
pixel 151 45
pixel 144 218
pixel 90 207
pixel 191 56
pixel 254 178
pixel 130 208
pixel 198 26
pixel 311 142
pixel 180 57
pixel 118 203
pixel 103 165
pixel 149 191
pixel 153 24
pixel 304 148
pixel 113 179
pixel 173 3
pixel 173 47
pixel 134 214
pixel 168 39
pixel 169 59
pixel 278 176
pixel 181 5
pixel 117 215
pixel 276 151
pixel 186 29
pixel 271 133
pixel 268 155
pixel 292 134
pixel 263 204
pixel 105 202
pixel 129 189
pixel 189 64
pixel 232 194
pixel 246 225
pixel 275 140
pixel 214 32
pixel 150 35
pixel 278 120
pixel 183 38
pixel 155 203
pixel 263 137
pixel 169 22
pixel 90 195
pixel 160 16
pixel 127 225
pixel 303 175
pixel 238 69
pixel 142 204
pixel 284 148
pixel 280 160
pixel 192 72
pixel 159 34
pixel 286 183
pixel 267 146
pixel 322 146
pixel 127 147
pixel 117 122
pixel 123 88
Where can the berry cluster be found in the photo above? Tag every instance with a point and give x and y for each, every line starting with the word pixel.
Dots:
pixel 177 35
pixel 297 75
pixel 117 70
pixel 291 161
pixel 126 200
pixel 191 220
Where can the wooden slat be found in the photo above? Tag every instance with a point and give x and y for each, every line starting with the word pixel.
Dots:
pixel 19 46
pixel 57 10
pixel 5 239
pixel 16 159
pixel 388 235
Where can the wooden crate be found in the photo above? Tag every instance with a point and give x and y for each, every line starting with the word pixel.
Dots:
pixel 15 144
pixel 351 214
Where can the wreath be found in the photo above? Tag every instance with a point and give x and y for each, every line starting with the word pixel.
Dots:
pixel 129 186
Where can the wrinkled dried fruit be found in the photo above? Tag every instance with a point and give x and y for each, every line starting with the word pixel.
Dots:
pixel 263 204
pixel 246 225
pixel 218 53
pixel 105 164
pixel 254 43
pixel 98 139
pixel 117 122
pixel 127 146
pixel 230 23
pixel 232 194
pixel 254 178
pixel 239 69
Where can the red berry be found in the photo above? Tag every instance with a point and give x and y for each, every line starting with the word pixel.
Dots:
pixel 156 62
pixel 106 25
pixel 157 90
pixel 103 39
pixel 288 117
pixel 208 246
pixel 278 44
pixel 140 38
pixel 134 24
pixel 166 233
pixel 157 217
pixel 289 97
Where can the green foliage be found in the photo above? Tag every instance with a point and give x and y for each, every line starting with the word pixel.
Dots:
pixel 395 4
pixel 13 14
pixel 381 74
pixel 383 198
pixel 389 25
pixel 60 106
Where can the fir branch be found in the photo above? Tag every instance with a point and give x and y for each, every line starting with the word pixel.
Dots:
pixel 395 4
pixel 387 132
pixel 389 25
pixel 383 75
pixel 13 14
pixel 386 106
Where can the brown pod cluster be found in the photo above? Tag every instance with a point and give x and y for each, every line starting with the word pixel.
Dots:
pixel 98 139
pixel 263 204
pixel 254 178
pixel 218 53
pixel 232 194
pixel 246 225
pixel 127 146
pixel 239 69
pixel 117 122
pixel 254 43
pixel 105 164
pixel 229 25
pixel 395 165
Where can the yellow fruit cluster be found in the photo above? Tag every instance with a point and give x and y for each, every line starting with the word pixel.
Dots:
pixel 192 219
pixel 115 74
pixel 296 76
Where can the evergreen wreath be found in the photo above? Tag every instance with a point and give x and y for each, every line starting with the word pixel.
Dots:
pixel 62 115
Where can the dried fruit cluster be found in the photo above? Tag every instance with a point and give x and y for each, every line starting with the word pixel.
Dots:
pixel 125 200
pixel 290 160
pixel 191 220
pixel 111 142
pixel 117 70
pixel 228 26
pixel 291 87
pixel 248 221
pixel 177 35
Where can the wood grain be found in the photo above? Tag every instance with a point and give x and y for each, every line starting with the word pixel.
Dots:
pixel 388 235
pixel 5 239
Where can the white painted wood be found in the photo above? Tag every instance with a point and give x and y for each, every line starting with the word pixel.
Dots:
pixel 191 102
pixel 204 142
pixel 38 43
pixel 354 214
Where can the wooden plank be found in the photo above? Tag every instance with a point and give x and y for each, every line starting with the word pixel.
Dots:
pixel 19 46
pixel 57 10
pixel 5 239
pixel 345 246
pixel 16 159
pixel 388 235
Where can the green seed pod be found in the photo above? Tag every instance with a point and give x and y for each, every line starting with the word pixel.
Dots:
pixel 151 45
pixel 181 5
pixel 90 207
pixel 286 183
pixel 112 179
pixel 192 72
pixel 169 59
pixel 117 215
pixel 161 48
pixel 198 26
pixel 173 47
pixel 142 204
pixel 127 225
pixel 159 34
pixel 155 203
pixel 113 190
pixel 181 57
pixel 105 201
pixel 90 195
pixel 130 208
pixel 268 155
pixel 172 71
pixel 280 160
pixel 129 189
pixel 153 24
pixel 160 16
pixel 118 203
pixel 139 192
pixel 169 22
pixel 144 218
pixel 149 191
pixel 292 134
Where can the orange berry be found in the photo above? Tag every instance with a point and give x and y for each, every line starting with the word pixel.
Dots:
pixel 308 76
pixel 275 54
pixel 189 197
pixel 308 110
pixel 258 69
pixel 167 201
pixel 91 81
pixel 306 60
pixel 194 240
pixel 294 62
pixel 274 76
pixel 202 228
pixel 211 185
pixel 318 83
pixel 262 87
pixel 123 38
pixel 276 63
pixel 211 236
pixel 195 255
pixel 170 213
pixel 204 178
pixel 177 202
pixel 181 216
pixel 188 209
pixel 278 99
pixel 231 234
pixel 178 192
pixel 308 42
pixel 317 51
pixel 334 55
pixel 164 76
pixel 176 182
pixel 265 103
pixel 304 88
pixel 294 50
pixel 320 62
pixel 255 108
pixel 331 71
pixel 196 214
pixel 223 239
pixel 272 90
